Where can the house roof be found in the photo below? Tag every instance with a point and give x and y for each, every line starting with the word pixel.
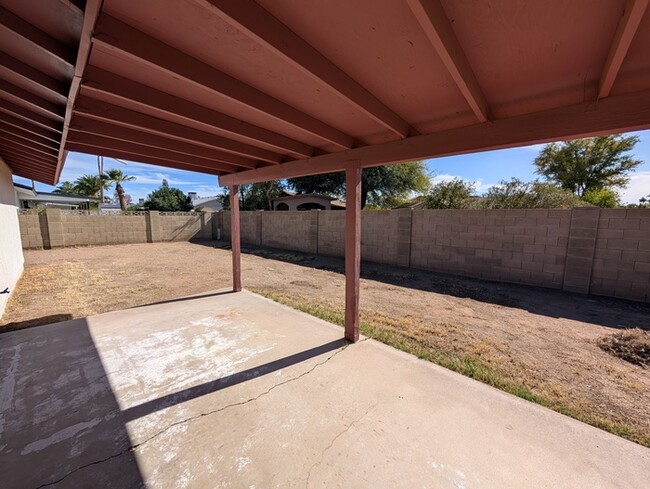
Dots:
pixel 303 196
pixel 253 91
pixel 28 193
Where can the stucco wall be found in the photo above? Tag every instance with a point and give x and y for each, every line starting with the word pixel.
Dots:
pixel 11 253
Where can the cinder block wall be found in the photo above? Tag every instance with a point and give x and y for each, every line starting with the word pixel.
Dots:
pixel 585 250
pixel 621 260
pixel 291 230
pixel 523 246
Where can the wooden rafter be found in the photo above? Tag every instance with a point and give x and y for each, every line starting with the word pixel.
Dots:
pixel 625 32
pixel 256 22
pixel 434 21
pixel 133 93
pixel 117 36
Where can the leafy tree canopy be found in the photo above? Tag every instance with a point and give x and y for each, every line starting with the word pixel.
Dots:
pixel 168 199
pixel 453 194
pixel 516 194
pixel 602 197
pixel 381 186
pixel 585 165
pixel 255 196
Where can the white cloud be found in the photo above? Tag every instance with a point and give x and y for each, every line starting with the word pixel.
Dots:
pixel 638 187
pixel 479 185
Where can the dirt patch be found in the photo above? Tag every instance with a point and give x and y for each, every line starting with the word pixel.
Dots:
pixel 632 346
pixel 536 343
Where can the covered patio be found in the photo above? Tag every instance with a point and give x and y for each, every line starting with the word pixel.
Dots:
pixel 232 390
pixel 255 394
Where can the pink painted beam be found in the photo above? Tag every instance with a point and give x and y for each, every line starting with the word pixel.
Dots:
pixel 88 126
pixel 32 76
pixel 235 238
pixel 352 251
pixel 92 140
pixel 142 158
pixel 115 36
pixel 133 120
pixel 91 12
pixel 28 99
pixel 622 113
pixel 434 22
pixel 39 39
pixel 134 95
pixel 22 113
pixel 627 28
pixel 257 23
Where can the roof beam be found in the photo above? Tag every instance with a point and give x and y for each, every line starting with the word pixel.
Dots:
pixel 35 162
pixel 33 76
pixel 102 142
pixel 97 80
pixel 28 136
pixel 24 169
pixel 29 116
pixel 91 12
pixel 434 21
pixel 27 144
pixel 113 114
pixel 42 106
pixel 42 41
pixel 625 32
pixel 88 126
pixel 125 155
pixel 28 127
pixel 623 113
pixel 117 36
pixel 25 153
pixel 257 23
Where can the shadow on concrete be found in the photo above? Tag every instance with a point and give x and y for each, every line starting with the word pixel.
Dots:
pixel 603 311
pixel 206 388
pixel 60 422
pixel 187 298
pixel 30 323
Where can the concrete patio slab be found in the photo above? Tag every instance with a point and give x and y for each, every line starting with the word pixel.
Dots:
pixel 232 390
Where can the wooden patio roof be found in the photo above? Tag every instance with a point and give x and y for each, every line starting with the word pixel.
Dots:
pixel 253 91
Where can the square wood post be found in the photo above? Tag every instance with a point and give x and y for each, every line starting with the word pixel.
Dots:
pixel 235 238
pixel 352 251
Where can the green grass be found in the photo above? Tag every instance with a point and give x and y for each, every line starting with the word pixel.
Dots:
pixel 465 364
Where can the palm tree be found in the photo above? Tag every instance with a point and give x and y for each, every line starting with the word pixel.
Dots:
pixel 90 185
pixel 117 177
pixel 66 187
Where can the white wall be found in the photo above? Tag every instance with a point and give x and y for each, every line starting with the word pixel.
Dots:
pixel 11 253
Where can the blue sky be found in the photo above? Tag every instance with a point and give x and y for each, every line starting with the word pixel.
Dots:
pixel 485 169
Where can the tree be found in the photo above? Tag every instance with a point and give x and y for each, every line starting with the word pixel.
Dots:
pixel 169 199
pixel 602 197
pixel 255 196
pixel 90 185
pixel 381 186
pixel 66 187
pixel 583 165
pixel 453 194
pixel 516 194
pixel 117 177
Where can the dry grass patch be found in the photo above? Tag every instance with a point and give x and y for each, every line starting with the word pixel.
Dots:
pixel 632 345
pixel 448 346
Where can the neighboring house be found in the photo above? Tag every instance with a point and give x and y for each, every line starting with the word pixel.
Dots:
pixel 306 202
pixel 110 208
pixel 29 198
pixel 206 204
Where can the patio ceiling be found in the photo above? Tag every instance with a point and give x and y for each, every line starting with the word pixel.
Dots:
pixel 252 91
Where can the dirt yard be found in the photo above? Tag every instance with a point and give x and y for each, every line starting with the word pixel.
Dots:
pixel 539 344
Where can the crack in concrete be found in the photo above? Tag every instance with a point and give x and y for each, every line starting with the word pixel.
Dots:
pixel 339 435
pixel 134 447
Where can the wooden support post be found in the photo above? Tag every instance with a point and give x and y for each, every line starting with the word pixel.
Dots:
pixel 352 252
pixel 235 240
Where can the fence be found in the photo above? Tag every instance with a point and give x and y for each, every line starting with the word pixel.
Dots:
pixel 586 250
